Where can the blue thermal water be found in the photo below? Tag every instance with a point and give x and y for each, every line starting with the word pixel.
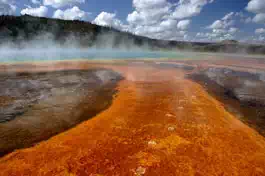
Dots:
pixel 67 54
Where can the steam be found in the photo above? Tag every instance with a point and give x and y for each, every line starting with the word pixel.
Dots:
pixel 109 44
pixel 46 47
pixel 106 45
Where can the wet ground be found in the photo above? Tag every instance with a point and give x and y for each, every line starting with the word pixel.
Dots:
pixel 38 105
pixel 251 114
pixel 160 123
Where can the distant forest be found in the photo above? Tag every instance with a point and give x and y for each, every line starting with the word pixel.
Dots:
pixel 20 29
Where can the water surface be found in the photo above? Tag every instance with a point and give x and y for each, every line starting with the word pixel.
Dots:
pixel 91 54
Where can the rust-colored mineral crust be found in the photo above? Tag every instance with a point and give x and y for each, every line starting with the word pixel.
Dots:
pixel 159 124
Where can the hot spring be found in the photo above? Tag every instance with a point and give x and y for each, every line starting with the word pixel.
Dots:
pixel 20 55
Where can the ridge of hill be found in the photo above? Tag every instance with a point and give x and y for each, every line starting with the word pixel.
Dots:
pixel 19 29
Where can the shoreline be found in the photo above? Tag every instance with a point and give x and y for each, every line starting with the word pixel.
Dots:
pixel 251 115
pixel 75 96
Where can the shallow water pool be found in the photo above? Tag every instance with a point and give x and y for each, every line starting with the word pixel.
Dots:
pixel 67 54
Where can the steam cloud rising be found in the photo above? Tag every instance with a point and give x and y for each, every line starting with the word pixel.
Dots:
pixel 45 47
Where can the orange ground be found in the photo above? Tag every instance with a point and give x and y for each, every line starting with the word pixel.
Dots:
pixel 159 124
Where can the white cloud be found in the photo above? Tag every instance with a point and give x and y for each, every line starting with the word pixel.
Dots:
pixel 162 29
pixel 225 22
pixel 109 19
pixel 150 18
pixel 169 35
pixel 183 25
pixel 61 3
pixel 201 34
pixel 165 30
pixel 218 24
pixel 226 37
pixel 259 18
pixel 154 11
pixel 71 14
pixel 189 8
pixel 256 6
pixel 7 7
pixel 148 12
pixel 135 18
pixel 155 31
pixel 207 36
pixel 219 34
pixel 146 4
pixel 219 31
pixel 233 30
pixel 240 14
pixel 260 31
pixel 242 17
pixel 147 16
pixel 168 24
pixel 36 1
pixel 159 18
pixel 261 38
pixel 147 31
pixel 224 28
pixel 228 16
pixel 39 11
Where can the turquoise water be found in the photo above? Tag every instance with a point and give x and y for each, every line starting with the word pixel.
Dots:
pixel 48 54
pixel 67 54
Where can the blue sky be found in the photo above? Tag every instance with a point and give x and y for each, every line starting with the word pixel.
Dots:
pixel 191 20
